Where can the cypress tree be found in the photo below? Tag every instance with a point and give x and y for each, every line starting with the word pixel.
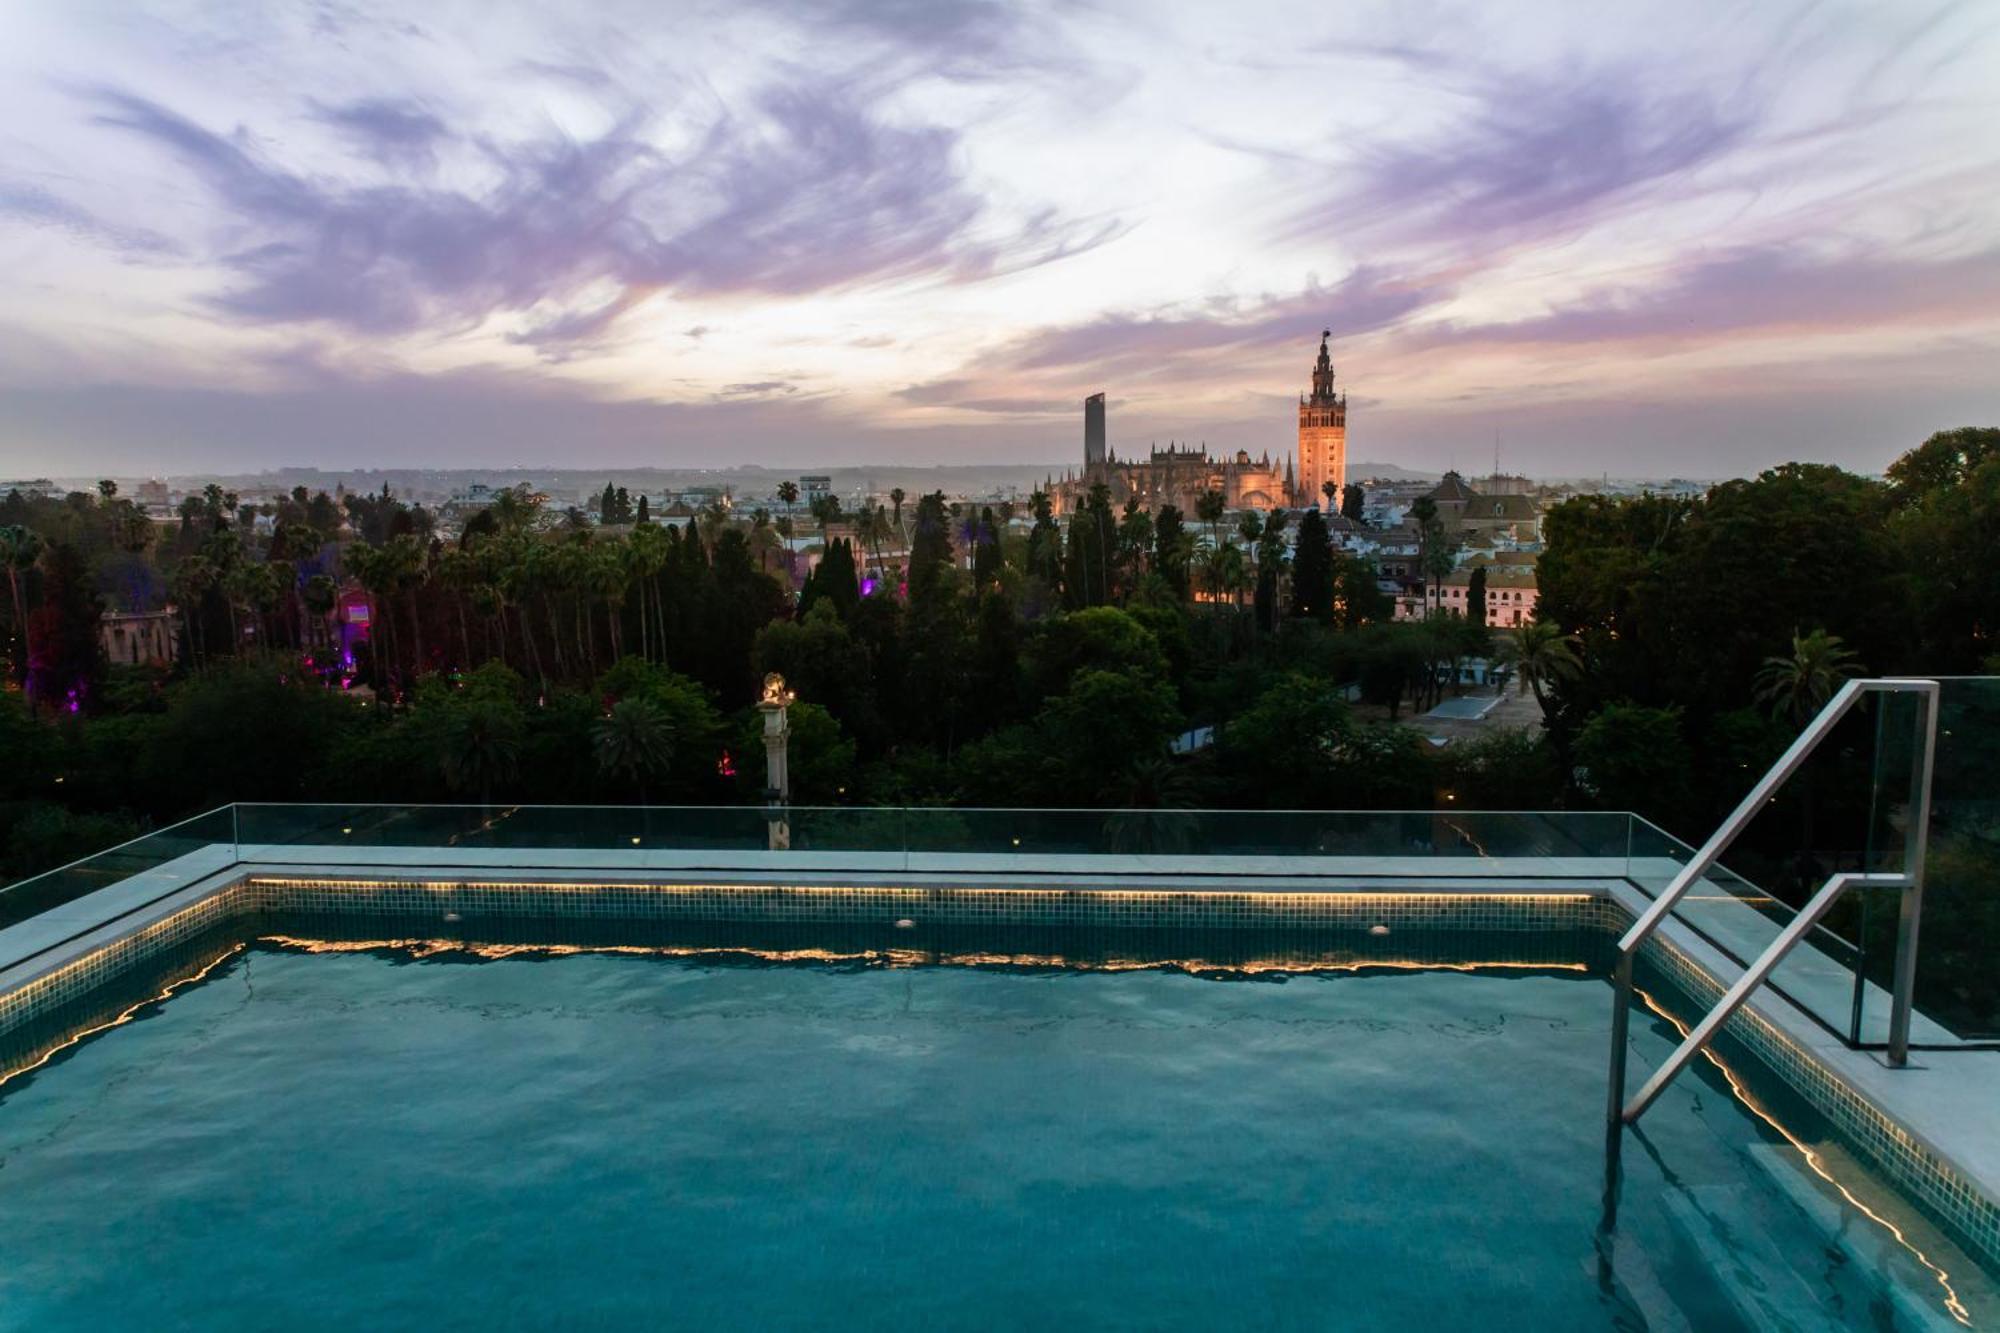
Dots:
pixel 1312 570
pixel 1045 554
pixel 834 580
pixel 1475 597
pixel 930 549
pixel 986 553
pixel 1352 500
pixel 1170 558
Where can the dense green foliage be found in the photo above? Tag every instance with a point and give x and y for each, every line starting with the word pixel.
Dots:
pixel 1049 664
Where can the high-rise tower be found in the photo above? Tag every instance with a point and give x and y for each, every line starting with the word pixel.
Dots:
pixel 1322 433
pixel 1093 431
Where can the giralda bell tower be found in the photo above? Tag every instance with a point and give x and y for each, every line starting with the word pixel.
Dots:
pixel 1322 434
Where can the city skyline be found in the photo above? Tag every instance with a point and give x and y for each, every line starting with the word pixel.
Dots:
pixel 1698 242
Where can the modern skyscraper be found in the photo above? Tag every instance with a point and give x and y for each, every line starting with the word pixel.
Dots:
pixel 1093 430
pixel 1322 433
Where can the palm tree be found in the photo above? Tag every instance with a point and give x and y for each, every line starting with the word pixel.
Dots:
pixel 870 523
pixel 370 566
pixel 513 510
pixel 518 581
pixel 633 741
pixel 1545 657
pixel 1330 490
pixel 1424 512
pixel 409 570
pixel 1797 685
pixel 1215 563
pixel 788 491
pixel 1208 507
pixel 1235 572
pixel 647 552
pixel 20 548
pixel 896 497
pixel 318 596
pixel 267 594
pixel 608 581
pixel 826 512
pixel 131 530
pixel 459 571
pixel 570 567
pixel 482 748
pixel 239 592
pixel 193 577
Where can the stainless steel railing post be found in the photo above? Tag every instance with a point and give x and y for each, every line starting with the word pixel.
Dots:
pixel 1614 1110
pixel 1916 844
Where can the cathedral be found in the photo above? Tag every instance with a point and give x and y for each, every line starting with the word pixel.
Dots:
pixel 1177 475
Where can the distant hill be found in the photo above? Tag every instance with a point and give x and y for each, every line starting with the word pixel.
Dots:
pixel 1388 472
pixel 748 481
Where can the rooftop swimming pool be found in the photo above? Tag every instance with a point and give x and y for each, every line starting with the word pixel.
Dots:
pixel 410 1109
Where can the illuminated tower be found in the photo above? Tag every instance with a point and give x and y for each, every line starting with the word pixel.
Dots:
pixel 1322 433
pixel 1093 431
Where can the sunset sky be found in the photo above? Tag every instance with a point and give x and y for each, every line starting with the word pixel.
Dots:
pixel 1684 239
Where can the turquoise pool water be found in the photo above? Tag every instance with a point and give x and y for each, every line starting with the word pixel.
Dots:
pixel 396 1138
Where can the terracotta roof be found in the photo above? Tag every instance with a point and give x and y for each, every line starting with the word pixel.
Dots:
pixel 1453 489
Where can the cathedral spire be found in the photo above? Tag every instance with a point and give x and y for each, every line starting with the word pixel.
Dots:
pixel 1322 390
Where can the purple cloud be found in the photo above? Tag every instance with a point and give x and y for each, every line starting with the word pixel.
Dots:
pixel 35 206
pixel 390 129
pixel 757 389
pixel 1760 291
pixel 1365 301
pixel 817 192
pixel 1527 158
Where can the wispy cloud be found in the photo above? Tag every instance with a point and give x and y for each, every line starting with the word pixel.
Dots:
pixel 38 207
pixel 892 226
pixel 1761 292
pixel 395 130
pixel 1530 154
pixel 814 190
pixel 1166 348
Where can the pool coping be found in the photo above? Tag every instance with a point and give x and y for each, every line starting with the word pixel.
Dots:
pixel 1933 1128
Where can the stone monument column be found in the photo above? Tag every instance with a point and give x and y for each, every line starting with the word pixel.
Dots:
pixel 775 705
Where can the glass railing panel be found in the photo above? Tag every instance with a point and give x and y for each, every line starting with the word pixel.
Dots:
pixel 175 856
pixel 1563 842
pixel 1957 995
pixel 281 831
pixel 1844 810
pixel 1359 842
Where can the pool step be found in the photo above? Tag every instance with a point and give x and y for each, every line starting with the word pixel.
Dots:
pixel 1761 1284
pixel 1640 1284
pixel 1867 1245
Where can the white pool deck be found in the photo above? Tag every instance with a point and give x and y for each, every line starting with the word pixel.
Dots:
pixel 1948 1100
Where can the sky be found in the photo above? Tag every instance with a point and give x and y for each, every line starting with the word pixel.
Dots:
pixel 1686 239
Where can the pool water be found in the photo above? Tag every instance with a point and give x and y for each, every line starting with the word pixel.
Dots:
pixel 435 1138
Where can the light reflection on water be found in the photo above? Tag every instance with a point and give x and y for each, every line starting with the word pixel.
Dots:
pixel 813 1127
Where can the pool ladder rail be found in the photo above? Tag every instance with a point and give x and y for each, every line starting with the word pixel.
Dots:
pixel 1619 1112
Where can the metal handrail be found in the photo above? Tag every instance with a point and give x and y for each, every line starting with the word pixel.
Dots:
pixel 1618 1113
pixel 1788 763
pixel 1754 976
